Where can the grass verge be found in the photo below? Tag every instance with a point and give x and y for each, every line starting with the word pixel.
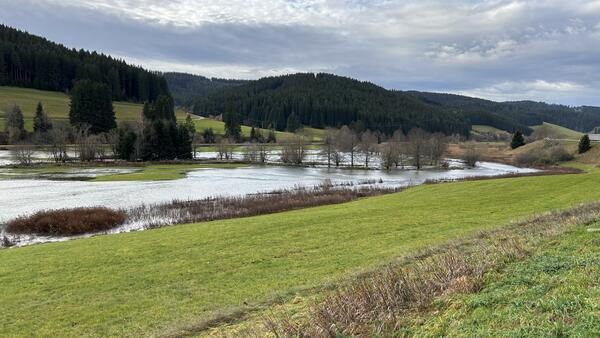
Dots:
pixel 387 302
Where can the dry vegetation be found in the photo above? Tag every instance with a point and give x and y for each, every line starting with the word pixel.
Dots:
pixel 381 303
pixel 209 209
pixel 67 222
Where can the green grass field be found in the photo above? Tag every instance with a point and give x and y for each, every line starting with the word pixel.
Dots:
pixel 483 129
pixel 558 131
pixel 57 105
pixel 157 281
pixel 555 293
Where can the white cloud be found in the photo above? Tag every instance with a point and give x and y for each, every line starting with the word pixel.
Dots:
pixel 538 90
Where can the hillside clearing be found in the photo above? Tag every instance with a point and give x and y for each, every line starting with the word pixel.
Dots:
pixel 57 104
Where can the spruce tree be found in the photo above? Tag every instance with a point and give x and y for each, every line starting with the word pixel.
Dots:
pixel 41 122
pixel 293 123
pixel 91 104
pixel 14 126
pixel 584 144
pixel 518 140
pixel 233 128
pixel 209 136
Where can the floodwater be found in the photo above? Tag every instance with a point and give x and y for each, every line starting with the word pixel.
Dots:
pixel 25 196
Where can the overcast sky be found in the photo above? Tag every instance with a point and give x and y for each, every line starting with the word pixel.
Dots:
pixel 501 50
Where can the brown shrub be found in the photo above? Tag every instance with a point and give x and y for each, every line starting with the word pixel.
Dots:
pixel 67 222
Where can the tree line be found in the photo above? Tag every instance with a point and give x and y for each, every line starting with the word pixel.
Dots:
pixel 325 100
pixel 31 61
pixel 92 127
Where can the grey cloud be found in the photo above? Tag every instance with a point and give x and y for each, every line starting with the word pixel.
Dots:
pixel 495 49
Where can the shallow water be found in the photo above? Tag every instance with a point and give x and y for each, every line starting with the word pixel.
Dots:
pixel 25 196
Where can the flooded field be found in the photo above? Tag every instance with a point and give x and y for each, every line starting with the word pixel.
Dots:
pixel 25 196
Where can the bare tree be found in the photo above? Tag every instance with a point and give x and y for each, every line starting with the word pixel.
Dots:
pixel 113 138
pixel 59 138
pixel 263 152
pixel 329 142
pixel 399 140
pixel 389 153
pixel 225 148
pixel 348 142
pixel 251 153
pixel 471 155
pixel 294 149
pixel 23 153
pixel 368 146
pixel 87 144
pixel 438 146
pixel 417 142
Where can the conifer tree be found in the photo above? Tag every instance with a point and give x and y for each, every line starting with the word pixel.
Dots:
pixel 518 140
pixel 91 104
pixel 41 122
pixel 584 144
pixel 233 128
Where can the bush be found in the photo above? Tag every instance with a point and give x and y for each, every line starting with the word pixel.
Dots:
pixel 67 222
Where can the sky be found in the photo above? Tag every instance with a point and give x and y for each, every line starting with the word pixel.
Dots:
pixel 498 49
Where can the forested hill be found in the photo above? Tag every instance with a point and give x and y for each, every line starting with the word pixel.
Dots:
pixel 518 114
pixel 322 100
pixel 31 61
pixel 186 88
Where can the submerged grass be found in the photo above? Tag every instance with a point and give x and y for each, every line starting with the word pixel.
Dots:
pixel 175 278
pixel 162 172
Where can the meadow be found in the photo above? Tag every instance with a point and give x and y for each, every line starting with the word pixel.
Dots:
pixel 56 105
pixel 175 279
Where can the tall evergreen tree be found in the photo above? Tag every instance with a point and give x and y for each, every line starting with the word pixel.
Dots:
pixel 517 140
pixel 584 144
pixel 91 103
pixel 233 128
pixel 293 124
pixel 14 126
pixel 164 108
pixel 41 122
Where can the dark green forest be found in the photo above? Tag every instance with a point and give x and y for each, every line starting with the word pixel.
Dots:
pixel 186 88
pixel 515 115
pixel 31 61
pixel 325 100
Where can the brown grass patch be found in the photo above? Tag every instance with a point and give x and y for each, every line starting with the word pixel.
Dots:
pixel 67 222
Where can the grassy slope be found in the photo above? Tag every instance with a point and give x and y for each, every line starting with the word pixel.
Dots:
pixel 483 129
pixel 219 129
pixel 57 105
pixel 555 293
pixel 136 283
pixel 560 132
